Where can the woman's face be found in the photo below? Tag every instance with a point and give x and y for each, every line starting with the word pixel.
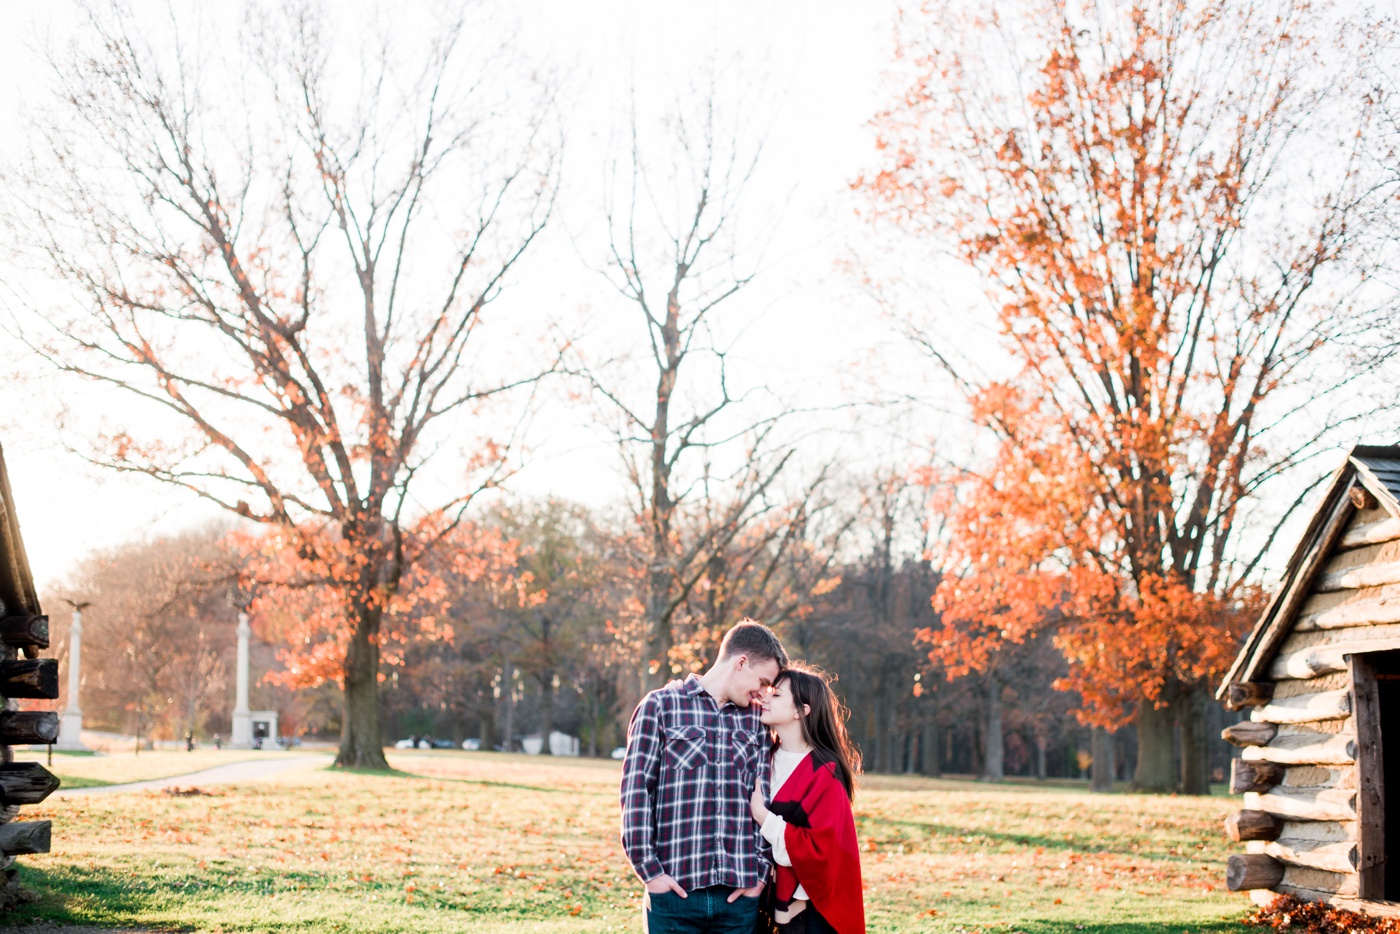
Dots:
pixel 778 707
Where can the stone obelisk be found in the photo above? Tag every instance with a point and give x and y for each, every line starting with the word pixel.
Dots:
pixel 70 729
pixel 242 736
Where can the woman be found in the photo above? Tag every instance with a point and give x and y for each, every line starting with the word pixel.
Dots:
pixel 817 886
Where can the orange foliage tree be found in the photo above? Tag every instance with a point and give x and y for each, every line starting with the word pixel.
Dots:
pixel 294 582
pixel 1163 200
pixel 281 255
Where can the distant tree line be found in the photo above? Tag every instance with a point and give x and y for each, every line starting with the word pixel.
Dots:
pixel 550 640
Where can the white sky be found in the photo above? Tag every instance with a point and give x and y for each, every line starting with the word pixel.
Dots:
pixel 805 329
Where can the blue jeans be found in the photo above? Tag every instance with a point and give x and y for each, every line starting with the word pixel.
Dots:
pixel 703 911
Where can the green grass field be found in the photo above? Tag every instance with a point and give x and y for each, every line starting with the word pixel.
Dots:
pixel 495 843
pixel 88 771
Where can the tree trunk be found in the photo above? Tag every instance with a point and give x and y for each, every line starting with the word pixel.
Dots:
pixel 546 688
pixel 361 746
pixel 928 748
pixel 889 740
pixel 878 736
pixel 546 709
pixel 486 727
pixel 993 769
pixel 592 716
pixel 508 695
pixel 1040 757
pixel 1195 743
pixel 1156 764
pixel 1101 749
pixel 657 661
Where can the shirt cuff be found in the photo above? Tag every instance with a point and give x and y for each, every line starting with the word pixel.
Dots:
pixel 772 829
pixel 649 869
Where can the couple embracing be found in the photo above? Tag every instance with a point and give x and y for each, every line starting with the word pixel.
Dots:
pixel 736 797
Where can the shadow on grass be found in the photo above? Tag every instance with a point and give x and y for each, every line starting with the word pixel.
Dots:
pixel 516 786
pixel 1098 926
pixel 105 896
pixel 373 773
pixel 73 781
pixel 76 895
pixel 1084 843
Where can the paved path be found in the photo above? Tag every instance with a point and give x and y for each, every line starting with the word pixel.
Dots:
pixel 249 770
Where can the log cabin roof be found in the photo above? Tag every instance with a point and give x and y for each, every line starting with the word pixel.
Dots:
pixel 1375 468
pixel 16 582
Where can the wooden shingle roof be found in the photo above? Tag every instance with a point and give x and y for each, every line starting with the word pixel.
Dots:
pixel 1377 469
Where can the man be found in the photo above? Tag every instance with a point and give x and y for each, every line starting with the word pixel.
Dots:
pixel 694 750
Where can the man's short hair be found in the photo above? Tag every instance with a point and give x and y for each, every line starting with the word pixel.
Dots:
pixel 754 640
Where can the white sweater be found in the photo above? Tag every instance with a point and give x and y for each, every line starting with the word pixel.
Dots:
pixel 773 828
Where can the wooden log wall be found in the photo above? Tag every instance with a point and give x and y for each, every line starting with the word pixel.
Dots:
pixel 1297 770
pixel 21 783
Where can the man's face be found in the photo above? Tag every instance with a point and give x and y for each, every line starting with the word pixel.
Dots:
pixel 751 680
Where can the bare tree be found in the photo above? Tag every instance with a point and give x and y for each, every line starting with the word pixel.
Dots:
pixel 701 464
pixel 282 255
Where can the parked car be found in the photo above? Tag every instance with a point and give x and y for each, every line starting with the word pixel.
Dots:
pixel 472 744
pixel 424 742
pixel 620 752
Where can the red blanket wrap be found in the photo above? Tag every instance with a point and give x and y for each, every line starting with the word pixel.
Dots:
pixel 821 842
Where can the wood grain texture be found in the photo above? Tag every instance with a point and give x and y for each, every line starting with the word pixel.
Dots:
pixel 1362 498
pixel 1332 857
pixel 1367 575
pixel 1371 533
pixel 37 678
pixel 29 836
pixel 1249 733
pixel 1377 607
pixel 1325 659
pixel 1249 694
pixel 1253 776
pixel 1319 831
pixel 1319 880
pixel 1252 871
pixel 1325 705
pixel 24 631
pixel 26 783
pixel 1242 826
pixel 27 727
pixel 1370 767
pixel 1305 749
pixel 1327 804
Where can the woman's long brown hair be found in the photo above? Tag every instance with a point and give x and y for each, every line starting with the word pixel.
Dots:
pixel 824 727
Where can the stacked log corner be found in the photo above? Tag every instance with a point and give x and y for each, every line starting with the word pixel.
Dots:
pixel 1301 821
pixel 23 783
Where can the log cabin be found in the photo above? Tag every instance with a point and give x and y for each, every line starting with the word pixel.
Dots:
pixel 24 634
pixel 1319 674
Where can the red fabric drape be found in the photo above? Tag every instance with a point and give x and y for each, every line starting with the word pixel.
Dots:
pixel 821 841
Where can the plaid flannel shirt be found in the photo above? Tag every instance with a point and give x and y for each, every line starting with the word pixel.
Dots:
pixel 690 769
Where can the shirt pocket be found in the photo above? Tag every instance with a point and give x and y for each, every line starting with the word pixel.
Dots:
pixel 748 745
pixel 685 747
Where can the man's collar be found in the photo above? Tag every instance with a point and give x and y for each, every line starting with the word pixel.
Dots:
pixel 692 685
